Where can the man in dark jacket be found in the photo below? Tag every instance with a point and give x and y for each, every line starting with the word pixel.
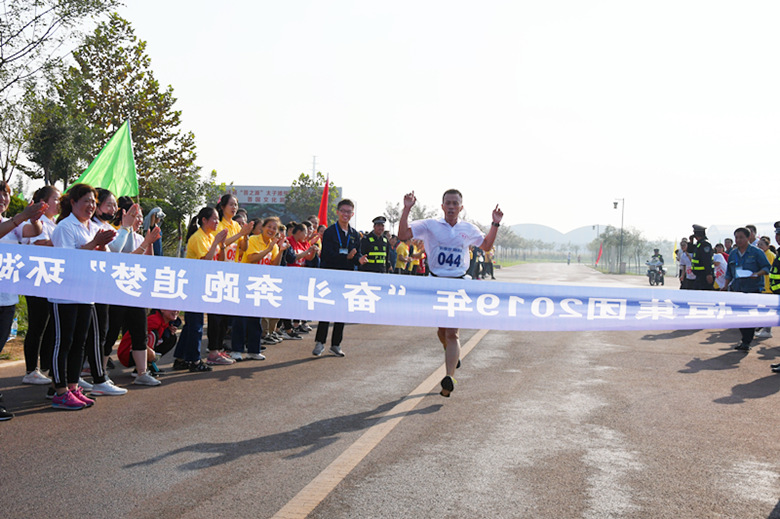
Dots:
pixel 340 244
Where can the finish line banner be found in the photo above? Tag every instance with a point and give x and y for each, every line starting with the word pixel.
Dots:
pixel 363 297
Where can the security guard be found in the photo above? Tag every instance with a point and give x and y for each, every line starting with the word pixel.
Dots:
pixel 374 247
pixel 701 259
pixel 774 273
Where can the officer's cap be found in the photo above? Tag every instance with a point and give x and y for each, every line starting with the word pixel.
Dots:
pixel 379 219
pixel 699 229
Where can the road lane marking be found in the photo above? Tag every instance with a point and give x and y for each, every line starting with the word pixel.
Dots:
pixel 323 484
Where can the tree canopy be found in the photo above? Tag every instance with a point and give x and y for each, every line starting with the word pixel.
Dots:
pixel 305 195
pixel 33 34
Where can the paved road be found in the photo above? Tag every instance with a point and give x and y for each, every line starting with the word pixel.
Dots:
pixel 542 425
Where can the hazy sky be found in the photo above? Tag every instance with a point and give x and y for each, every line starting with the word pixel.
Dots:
pixel 553 109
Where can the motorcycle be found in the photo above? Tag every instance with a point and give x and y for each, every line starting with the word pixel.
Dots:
pixel 655 272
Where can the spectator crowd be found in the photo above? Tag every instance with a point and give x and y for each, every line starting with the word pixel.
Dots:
pixel 69 343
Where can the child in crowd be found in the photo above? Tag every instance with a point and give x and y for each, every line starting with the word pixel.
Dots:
pixel 160 339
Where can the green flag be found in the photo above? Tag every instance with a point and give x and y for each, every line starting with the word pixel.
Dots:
pixel 114 166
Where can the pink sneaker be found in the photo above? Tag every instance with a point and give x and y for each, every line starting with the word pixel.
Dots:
pixel 88 402
pixel 215 359
pixel 67 401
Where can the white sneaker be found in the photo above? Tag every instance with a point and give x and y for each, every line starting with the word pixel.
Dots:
pixel 255 356
pixel 146 380
pixel 36 378
pixel 107 389
pixel 237 356
pixel 336 350
pixel 83 384
pixel 318 347
pixel 764 334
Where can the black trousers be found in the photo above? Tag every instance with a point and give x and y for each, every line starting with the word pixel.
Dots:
pixel 217 329
pixel 322 333
pixel 127 318
pixel 72 323
pixel 39 340
pixel 97 336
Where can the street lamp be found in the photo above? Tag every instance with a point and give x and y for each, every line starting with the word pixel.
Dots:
pixel 620 250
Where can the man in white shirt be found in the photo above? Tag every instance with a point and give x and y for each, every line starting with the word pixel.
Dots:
pixel 447 242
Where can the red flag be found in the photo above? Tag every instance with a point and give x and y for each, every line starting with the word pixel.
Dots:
pixel 601 249
pixel 323 214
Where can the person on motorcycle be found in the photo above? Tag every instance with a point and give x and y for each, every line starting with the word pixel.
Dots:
pixel 658 258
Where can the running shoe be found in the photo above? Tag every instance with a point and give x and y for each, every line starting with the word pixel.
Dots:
pixel 88 402
pixel 291 336
pixel 447 386
pixel 180 365
pixel 107 388
pixel 236 356
pixel 268 340
pixel 301 329
pixel 255 356
pixel 67 401
pixel 146 380
pixel 218 360
pixel 200 366
pixel 5 415
pixel 83 384
pixel 36 378
pixel 51 393
pixel 336 350
pixel 318 347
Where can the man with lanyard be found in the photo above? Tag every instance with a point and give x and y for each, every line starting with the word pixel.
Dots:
pixel 340 244
pixel 746 265
pixel 374 247
pixel 701 259
pixel 447 241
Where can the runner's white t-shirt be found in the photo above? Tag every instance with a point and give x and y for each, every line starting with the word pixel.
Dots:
pixel 447 246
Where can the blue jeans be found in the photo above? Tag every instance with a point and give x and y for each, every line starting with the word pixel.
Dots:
pixel 188 347
pixel 249 331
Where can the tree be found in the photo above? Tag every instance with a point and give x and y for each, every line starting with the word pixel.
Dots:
pixel 305 195
pixel 33 32
pixel 393 214
pixel 112 82
pixel 59 140
pixel 13 120
pixel 421 212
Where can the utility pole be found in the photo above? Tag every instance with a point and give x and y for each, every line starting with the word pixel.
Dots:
pixel 313 166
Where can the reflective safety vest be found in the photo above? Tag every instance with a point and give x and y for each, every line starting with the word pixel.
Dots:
pixel 774 276
pixel 701 258
pixel 377 253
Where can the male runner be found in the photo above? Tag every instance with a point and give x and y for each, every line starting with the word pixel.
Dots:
pixel 447 242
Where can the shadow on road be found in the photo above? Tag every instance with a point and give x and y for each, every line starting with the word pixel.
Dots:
pixel 761 388
pixel 310 437
pixel 729 360
pixel 676 334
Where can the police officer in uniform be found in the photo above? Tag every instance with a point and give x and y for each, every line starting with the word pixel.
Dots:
pixel 701 259
pixel 374 246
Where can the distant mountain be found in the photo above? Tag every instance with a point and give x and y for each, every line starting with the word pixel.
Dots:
pixel 585 235
pixel 533 231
